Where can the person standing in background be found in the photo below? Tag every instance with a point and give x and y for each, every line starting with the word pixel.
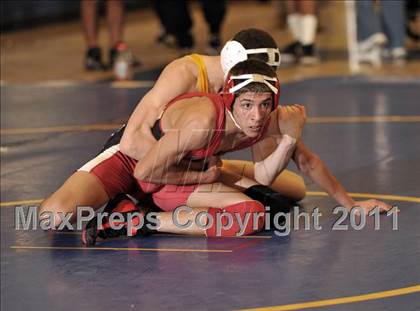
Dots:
pixel 115 19
pixel 302 22
pixel 380 30
pixel 175 18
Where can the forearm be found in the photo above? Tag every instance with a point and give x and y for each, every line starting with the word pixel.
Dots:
pixel 269 168
pixel 138 139
pixel 137 143
pixel 320 174
pixel 176 175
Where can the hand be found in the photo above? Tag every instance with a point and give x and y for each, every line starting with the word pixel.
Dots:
pixel 214 161
pixel 213 171
pixel 291 120
pixel 369 205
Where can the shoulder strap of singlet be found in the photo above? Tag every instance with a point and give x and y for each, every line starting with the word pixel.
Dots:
pixel 202 78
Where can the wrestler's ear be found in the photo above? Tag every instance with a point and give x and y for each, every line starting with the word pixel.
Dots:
pixel 235 100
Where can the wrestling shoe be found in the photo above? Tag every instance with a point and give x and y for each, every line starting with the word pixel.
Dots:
pixel 114 138
pixel 125 206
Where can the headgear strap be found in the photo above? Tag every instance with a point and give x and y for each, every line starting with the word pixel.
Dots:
pixel 250 78
pixel 273 55
pixel 234 52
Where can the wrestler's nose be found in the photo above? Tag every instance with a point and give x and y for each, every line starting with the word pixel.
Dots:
pixel 257 113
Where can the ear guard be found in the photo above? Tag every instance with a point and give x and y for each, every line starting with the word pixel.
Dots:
pixel 230 88
pixel 234 52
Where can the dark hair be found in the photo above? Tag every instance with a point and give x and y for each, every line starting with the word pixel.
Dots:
pixel 254 38
pixel 252 66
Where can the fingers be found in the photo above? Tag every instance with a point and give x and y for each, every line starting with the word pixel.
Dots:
pixel 383 207
pixel 293 109
pixel 370 205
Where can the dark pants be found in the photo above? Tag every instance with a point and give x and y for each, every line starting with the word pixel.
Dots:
pixel 175 17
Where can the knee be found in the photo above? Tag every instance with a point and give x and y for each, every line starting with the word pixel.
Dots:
pixel 239 219
pixel 50 209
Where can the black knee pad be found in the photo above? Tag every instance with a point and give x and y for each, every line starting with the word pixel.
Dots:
pixel 268 197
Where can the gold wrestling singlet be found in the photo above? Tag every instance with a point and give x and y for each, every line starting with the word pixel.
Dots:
pixel 202 78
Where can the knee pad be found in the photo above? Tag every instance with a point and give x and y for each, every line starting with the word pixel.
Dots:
pixel 243 218
pixel 278 203
pixel 268 197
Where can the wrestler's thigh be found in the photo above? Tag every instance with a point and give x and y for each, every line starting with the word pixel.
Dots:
pixel 287 183
pixel 80 189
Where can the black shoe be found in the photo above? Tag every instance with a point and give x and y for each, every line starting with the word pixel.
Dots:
pixel 309 55
pixel 291 53
pixel 124 205
pixel 91 230
pixel 93 59
pixel 114 138
pixel 166 39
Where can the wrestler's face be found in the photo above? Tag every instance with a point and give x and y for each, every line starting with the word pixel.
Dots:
pixel 251 111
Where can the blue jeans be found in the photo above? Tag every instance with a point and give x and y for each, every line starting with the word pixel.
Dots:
pixel 389 19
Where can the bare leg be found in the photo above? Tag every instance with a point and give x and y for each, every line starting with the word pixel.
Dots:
pixel 89 22
pixel 287 183
pixel 291 6
pixel 115 19
pixel 81 189
pixel 306 7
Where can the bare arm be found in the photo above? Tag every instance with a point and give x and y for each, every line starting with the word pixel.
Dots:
pixel 177 78
pixel 158 165
pixel 272 155
pixel 266 170
pixel 312 166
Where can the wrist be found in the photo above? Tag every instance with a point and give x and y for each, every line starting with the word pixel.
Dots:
pixel 206 177
pixel 349 205
pixel 289 140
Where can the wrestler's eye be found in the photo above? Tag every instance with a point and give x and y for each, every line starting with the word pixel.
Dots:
pixel 266 104
pixel 246 105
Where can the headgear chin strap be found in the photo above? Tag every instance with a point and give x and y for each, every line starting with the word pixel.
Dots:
pixel 234 52
pixel 233 119
pixel 230 89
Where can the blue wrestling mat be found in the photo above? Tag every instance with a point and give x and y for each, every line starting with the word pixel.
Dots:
pixel 367 132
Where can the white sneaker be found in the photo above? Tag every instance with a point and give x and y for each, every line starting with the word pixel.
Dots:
pixel 398 52
pixel 370 50
pixel 398 55
pixel 374 40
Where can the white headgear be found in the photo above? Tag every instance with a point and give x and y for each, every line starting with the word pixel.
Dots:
pixel 234 52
